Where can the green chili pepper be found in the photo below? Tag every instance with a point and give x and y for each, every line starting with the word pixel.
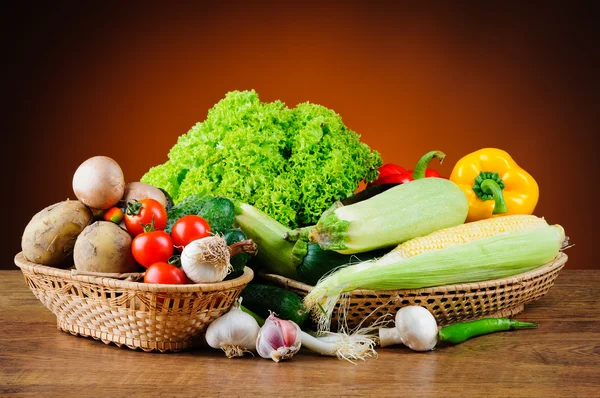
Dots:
pixel 460 332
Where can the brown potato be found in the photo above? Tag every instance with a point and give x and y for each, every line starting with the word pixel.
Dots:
pixel 104 247
pixel 140 190
pixel 50 235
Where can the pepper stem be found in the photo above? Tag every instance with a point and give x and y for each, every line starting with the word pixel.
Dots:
pixel 491 187
pixel 421 166
pixel 519 325
pixel 488 186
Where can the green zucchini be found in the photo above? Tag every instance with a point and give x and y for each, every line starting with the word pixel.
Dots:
pixel 400 213
pixel 302 261
pixel 274 253
pixel 238 262
pixel 263 299
pixel 317 262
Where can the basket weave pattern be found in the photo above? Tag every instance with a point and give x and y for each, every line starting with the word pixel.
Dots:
pixel 137 315
pixel 449 304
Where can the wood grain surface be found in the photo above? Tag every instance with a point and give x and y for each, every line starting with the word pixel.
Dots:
pixel 559 359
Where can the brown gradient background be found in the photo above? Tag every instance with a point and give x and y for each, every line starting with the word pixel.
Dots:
pixel 126 81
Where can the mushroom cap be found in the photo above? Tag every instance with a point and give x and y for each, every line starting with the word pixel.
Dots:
pixel 418 328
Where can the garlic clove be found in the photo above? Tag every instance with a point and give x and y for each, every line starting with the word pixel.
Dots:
pixel 278 339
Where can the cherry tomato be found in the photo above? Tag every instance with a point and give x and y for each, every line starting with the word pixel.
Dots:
pixel 188 229
pixel 145 212
pixel 113 214
pixel 152 247
pixel 162 272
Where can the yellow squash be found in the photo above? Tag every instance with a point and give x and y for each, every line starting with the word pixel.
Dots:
pixel 494 184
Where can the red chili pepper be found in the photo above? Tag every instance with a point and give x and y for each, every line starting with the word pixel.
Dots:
pixel 394 174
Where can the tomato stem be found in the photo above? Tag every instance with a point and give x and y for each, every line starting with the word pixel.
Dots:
pixel 175 260
pixel 133 207
pixel 148 227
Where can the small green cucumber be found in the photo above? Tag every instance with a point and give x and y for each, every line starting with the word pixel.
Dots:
pixel 264 298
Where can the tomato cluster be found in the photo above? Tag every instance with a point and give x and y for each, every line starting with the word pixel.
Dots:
pixel 152 247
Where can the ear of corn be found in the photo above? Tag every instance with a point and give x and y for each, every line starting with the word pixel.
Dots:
pixel 497 256
pixel 465 233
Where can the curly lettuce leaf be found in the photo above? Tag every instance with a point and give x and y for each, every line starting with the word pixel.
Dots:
pixel 291 163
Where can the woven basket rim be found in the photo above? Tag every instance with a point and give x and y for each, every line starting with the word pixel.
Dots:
pixel 26 265
pixel 558 262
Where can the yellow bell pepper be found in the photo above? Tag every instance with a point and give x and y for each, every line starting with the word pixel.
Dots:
pixel 494 184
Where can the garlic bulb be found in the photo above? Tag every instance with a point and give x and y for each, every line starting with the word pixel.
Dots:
pixel 234 333
pixel 415 327
pixel 278 339
pixel 206 260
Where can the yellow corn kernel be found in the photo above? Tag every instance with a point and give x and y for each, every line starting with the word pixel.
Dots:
pixel 465 233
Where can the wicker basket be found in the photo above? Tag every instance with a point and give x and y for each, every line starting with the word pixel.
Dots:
pixel 137 315
pixel 449 304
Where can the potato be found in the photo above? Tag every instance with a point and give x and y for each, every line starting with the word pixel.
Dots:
pixel 50 235
pixel 99 182
pixel 139 191
pixel 104 247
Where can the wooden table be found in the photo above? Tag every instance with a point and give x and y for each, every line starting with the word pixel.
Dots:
pixel 560 358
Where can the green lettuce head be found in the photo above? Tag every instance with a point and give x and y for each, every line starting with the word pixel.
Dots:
pixel 293 164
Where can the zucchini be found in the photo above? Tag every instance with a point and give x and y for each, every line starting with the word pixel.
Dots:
pixel 302 261
pixel 261 299
pixel 274 253
pixel 400 213
pixel 317 262
pixel 238 262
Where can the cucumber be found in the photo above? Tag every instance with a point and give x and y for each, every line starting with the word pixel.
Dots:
pixel 238 262
pixel 219 212
pixel 264 298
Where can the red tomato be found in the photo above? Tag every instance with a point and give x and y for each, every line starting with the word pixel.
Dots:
pixel 163 272
pixel 188 229
pixel 145 212
pixel 152 247
pixel 114 214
